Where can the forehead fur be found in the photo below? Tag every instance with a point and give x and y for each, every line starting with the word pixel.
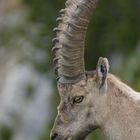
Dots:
pixel 77 88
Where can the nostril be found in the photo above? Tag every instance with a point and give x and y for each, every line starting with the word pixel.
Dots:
pixel 54 136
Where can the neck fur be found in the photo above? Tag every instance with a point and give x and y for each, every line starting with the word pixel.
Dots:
pixel 123 107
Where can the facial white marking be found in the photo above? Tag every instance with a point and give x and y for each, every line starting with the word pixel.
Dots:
pixel 100 75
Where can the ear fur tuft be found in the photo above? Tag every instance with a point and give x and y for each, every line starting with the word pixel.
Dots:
pixel 102 70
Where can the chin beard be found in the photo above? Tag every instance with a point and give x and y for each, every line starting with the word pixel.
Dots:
pixel 79 138
pixel 82 135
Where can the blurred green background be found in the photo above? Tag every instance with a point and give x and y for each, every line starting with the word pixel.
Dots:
pixel 28 94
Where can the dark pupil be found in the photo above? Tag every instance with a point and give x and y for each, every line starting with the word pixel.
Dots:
pixel 78 99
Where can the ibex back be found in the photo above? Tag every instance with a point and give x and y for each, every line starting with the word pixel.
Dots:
pixel 89 100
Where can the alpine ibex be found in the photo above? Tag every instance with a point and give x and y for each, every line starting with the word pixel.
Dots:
pixel 89 100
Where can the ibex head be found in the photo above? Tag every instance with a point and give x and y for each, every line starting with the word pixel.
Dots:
pixel 79 109
pixel 81 92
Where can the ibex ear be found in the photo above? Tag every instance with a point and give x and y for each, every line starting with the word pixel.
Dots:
pixel 102 71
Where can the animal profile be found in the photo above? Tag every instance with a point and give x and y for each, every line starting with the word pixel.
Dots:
pixel 89 100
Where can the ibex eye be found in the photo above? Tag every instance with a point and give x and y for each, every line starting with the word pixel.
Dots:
pixel 78 99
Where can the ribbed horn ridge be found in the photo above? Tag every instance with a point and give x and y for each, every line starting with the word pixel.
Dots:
pixel 70 40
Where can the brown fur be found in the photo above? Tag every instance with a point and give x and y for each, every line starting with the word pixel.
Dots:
pixel 115 111
pixel 93 99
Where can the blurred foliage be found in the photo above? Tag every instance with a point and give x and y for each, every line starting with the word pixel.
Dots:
pixel 6 133
pixel 114 27
pixel 114 30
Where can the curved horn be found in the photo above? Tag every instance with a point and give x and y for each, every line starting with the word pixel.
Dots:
pixel 70 39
